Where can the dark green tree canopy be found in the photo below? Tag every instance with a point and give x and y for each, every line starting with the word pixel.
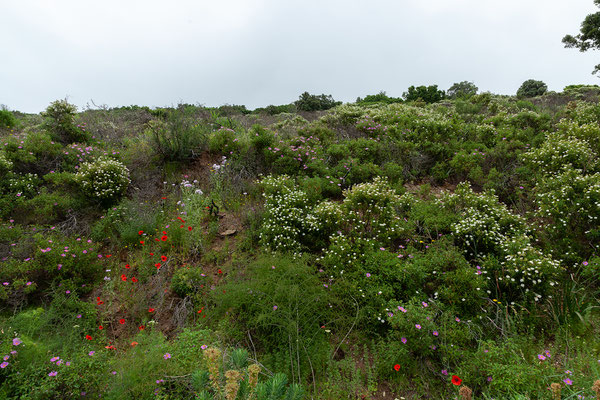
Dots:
pixel 380 97
pixel 462 90
pixel 532 88
pixel 589 36
pixel 429 94
pixel 312 102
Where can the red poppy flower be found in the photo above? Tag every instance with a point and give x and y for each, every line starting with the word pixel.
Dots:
pixel 111 347
pixel 127 266
pixel 140 232
pixel 163 198
pixel 157 265
pixel 100 303
pixel 100 327
pixel 164 233
pixel 141 327
pixel 181 226
pixel 189 228
pixel 164 238
pixel 151 254
pixel 456 380
pixel 108 255
pixel 200 310
pixel 163 258
pixel 121 321
pixel 123 278
pixel 88 337
pixel 219 271
pixel 397 367
pixel 181 219
pixel 151 310
pixel 134 344
pixel 134 279
pixel 98 298
pixel 141 241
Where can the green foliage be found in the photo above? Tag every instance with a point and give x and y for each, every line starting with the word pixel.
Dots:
pixel 176 135
pixel 464 89
pixel 60 123
pixel 428 94
pixel 7 120
pixel 223 141
pixel 588 38
pixel 380 97
pixel 532 88
pixel 284 305
pixel 288 225
pixel 313 102
pixel 105 179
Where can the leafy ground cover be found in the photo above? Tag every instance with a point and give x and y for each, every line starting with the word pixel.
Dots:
pixel 382 249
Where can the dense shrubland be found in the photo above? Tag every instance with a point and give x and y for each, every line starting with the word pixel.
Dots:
pixel 384 246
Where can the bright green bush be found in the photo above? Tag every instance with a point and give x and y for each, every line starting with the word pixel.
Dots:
pixel 7 120
pixel 105 179
pixel 60 123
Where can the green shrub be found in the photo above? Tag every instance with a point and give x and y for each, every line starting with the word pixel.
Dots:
pixel 177 135
pixel 288 224
pixel 485 223
pixel 284 305
pixel 105 179
pixel 188 282
pixel 223 141
pixel 558 152
pixel 122 223
pixel 5 164
pixel 60 123
pixel 570 202
pixel 7 120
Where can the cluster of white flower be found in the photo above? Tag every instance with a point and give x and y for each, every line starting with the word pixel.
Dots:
pixel 485 222
pixel 558 151
pixel 288 215
pixel 23 185
pixel 5 163
pixel 104 178
pixel 570 199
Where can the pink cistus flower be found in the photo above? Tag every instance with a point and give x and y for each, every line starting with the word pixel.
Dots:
pixel 17 341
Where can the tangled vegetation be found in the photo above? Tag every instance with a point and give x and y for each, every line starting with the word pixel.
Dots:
pixel 432 247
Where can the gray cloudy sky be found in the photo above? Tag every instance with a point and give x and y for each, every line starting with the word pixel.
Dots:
pixel 261 52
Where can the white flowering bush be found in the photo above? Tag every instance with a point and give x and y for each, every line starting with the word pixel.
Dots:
pixel 5 164
pixel 22 185
pixel 559 150
pixel 485 223
pixel 289 223
pixel 570 202
pixel 374 210
pixel 105 179
pixel 522 273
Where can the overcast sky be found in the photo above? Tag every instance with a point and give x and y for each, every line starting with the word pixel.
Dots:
pixel 261 52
